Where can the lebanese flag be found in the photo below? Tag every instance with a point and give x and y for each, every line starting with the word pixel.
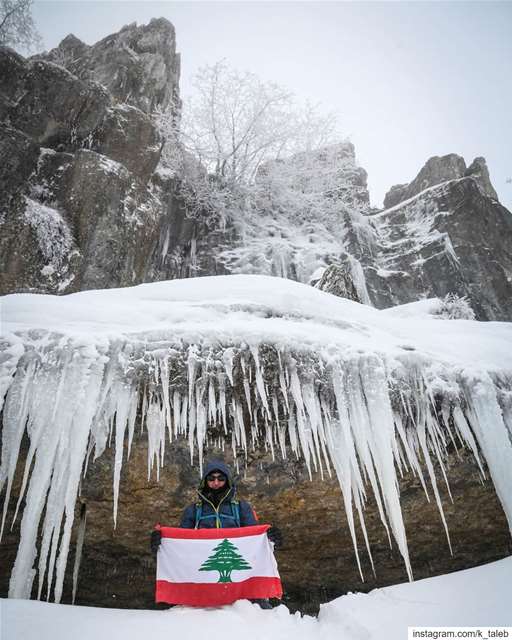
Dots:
pixel 212 567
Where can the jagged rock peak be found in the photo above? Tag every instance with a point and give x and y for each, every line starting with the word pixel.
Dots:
pixel 137 65
pixel 478 169
pixel 440 169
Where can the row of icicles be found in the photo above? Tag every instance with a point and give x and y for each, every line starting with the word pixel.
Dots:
pixel 353 416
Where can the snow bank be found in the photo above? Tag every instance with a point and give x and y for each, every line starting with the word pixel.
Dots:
pixel 476 597
pixel 367 394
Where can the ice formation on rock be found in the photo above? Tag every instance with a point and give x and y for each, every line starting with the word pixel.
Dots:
pixel 248 360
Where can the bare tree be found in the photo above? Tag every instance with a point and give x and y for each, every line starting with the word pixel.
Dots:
pixel 230 138
pixel 17 27
pixel 235 121
pixel 246 152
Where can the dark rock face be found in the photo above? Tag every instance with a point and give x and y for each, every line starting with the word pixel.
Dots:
pixel 138 66
pixel 129 137
pixel 60 111
pixel 121 222
pixel 432 245
pixel 75 192
pixel 49 104
pixel 438 170
pixel 478 169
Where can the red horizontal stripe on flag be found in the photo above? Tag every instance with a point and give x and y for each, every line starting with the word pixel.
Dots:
pixel 213 534
pixel 217 593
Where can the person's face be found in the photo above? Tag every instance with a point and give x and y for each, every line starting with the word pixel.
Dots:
pixel 216 480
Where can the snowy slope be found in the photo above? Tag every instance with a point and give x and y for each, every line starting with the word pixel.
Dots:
pixel 476 597
pixel 364 393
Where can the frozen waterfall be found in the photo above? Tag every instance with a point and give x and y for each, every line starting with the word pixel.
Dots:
pixel 254 361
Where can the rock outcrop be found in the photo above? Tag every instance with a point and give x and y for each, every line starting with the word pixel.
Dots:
pixel 478 169
pixel 76 166
pixel 138 66
pixel 338 280
pixel 430 244
pixel 438 170
pixel 59 111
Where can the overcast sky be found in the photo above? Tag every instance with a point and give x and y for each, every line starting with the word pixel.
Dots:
pixel 409 80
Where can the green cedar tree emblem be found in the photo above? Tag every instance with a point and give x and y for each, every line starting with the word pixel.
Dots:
pixel 225 559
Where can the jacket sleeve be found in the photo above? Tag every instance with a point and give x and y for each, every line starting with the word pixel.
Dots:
pixel 247 515
pixel 188 519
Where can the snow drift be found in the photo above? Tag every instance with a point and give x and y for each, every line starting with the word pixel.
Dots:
pixel 250 361
pixel 476 597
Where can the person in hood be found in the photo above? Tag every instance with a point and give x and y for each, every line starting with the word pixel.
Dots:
pixel 217 506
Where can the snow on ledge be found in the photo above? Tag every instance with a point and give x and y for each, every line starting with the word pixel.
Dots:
pixel 367 394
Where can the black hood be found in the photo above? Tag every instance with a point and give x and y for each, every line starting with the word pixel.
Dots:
pixel 217 465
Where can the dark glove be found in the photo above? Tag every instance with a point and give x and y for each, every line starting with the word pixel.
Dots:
pixel 274 535
pixel 156 540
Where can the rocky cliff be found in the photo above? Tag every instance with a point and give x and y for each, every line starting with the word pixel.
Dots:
pixel 83 205
pixel 452 236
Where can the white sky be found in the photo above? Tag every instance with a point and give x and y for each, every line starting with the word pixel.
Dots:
pixel 409 79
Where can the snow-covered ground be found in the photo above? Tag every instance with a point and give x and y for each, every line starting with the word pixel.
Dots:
pixel 476 597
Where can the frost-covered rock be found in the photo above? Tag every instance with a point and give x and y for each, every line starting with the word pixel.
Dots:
pixel 436 170
pixel 138 65
pixel 431 245
pixel 52 121
pixel 50 105
pixel 115 220
pixel 58 110
pixel 128 136
pixel 478 169
pixel 338 280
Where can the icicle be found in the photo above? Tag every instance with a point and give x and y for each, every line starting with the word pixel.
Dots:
pixel 260 386
pixel 304 432
pixel 61 458
pixel 227 359
pixel 11 352
pixel 495 441
pixel 467 437
pixel 421 425
pixel 122 393
pixel 14 419
pixel 78 551
pixel 222 400
pixel 176 403
pixel 374 382
pixel 132 416
pixel 212 402
pixel 341 448
pixel 164 377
